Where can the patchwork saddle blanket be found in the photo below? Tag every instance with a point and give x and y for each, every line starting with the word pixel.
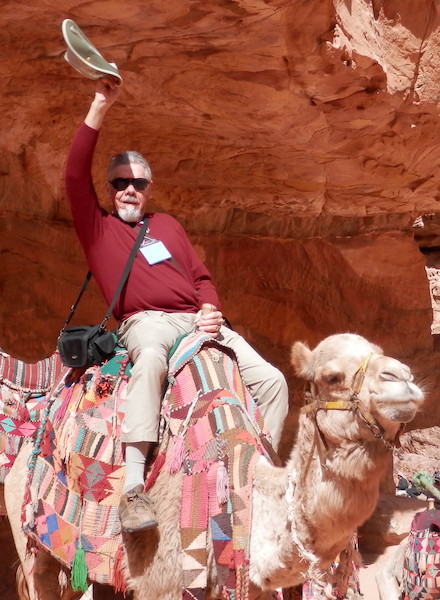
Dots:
pixel 23 389
pixel 421 567
pixel 75 475
pixel 217 436
pixel 213 430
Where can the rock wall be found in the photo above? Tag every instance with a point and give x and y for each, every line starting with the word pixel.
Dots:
pixel 298 143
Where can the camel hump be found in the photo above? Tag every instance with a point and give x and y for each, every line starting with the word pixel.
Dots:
pixel 187 346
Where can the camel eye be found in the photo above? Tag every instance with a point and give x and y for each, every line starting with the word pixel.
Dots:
pixel 332 374
pixel 335 378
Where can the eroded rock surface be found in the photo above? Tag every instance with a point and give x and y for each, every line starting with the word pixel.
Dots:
pixel 298 142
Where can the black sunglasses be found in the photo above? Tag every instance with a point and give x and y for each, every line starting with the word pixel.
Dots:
pixel 122 183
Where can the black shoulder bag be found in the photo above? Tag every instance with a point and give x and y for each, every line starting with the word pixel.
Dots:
pixel 86 345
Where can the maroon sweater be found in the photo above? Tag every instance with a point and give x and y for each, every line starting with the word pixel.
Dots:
pixel 107 242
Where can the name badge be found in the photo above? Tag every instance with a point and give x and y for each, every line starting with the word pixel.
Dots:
pixel 154 251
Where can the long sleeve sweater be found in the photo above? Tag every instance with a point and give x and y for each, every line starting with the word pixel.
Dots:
pixel 107 241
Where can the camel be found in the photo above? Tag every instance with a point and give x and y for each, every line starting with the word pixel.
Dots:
pixel 303 514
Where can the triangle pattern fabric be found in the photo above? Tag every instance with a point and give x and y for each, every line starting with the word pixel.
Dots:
pixel 79 473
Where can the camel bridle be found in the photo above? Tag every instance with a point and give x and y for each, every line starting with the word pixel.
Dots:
pixel 352 403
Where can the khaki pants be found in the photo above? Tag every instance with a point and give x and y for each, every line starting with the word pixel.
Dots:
pixel 150 335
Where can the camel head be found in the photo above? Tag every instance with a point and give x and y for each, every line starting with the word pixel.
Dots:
pixel 352 376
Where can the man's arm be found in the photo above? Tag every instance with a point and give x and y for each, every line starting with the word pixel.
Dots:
pixel 83 201
pixel 107 90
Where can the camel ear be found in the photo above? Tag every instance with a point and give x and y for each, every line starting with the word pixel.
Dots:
pixel 300 357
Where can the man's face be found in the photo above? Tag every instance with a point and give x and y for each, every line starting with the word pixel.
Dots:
pixel 129 200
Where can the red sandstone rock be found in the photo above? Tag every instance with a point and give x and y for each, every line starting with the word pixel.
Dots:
pixel 296 141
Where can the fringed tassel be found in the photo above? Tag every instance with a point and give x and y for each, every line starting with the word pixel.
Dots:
pixel 119 582
pixel 222 484
pixel 66 436
pixel 179 451
pixel 178 454
pixel 22 412
pixel 79 571
pixel 158 464
pixel 62 409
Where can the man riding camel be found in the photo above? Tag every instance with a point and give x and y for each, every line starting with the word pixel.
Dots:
pixel 169 292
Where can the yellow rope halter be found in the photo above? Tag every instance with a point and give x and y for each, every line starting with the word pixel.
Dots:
pixel 352 403
pixel 317 404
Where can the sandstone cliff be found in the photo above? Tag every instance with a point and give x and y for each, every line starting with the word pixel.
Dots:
pixel 298 142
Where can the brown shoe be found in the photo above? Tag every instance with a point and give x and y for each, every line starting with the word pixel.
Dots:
pixel 135 511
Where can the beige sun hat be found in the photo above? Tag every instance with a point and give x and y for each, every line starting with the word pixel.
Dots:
pixel 82 54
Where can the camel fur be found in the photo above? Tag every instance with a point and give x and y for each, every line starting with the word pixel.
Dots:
pixel 303 514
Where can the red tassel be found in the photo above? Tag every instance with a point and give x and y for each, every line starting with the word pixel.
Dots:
pixel 62 409
pixel 119 582
pixel 178 454
pixel 158 464
pixel 22 412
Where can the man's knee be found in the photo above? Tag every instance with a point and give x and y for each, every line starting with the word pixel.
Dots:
pixel 280 382
pixel 275 385
pixel 150 358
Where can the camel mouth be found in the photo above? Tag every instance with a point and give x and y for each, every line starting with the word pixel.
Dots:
pixel 404 416
pixel 398 414
pixel 398 405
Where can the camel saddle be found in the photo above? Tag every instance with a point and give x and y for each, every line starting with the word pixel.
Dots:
pixel 23 390
pixel 211 431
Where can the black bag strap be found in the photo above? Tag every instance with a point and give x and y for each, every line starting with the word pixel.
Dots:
pixel 126 271
pixel 75 304
pixel 121 283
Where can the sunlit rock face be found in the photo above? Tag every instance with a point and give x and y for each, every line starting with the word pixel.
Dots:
pixel 298 143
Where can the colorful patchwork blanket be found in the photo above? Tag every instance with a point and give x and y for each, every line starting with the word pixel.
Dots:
pixel 75 476
pixel 217 438
pixel 23 389
pixel 211 426
pixel 421 567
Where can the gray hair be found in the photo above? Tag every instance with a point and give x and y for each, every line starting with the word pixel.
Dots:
pixel 126 158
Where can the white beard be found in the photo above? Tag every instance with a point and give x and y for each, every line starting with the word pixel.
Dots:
pixel 130 213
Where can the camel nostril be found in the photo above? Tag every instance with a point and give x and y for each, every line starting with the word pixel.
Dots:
pixel 389 376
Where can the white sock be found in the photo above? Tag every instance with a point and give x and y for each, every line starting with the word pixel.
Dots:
pixel 135 456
